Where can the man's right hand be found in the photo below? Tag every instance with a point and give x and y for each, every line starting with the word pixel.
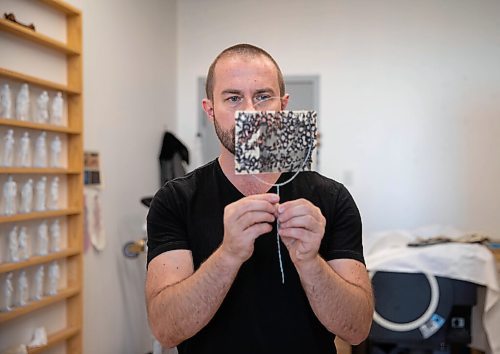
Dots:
pixel 244 221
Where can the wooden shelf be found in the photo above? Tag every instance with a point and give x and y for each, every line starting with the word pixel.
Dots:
pixel 62 6
pixel 36 260
pixel 70 298
pixel 38 82
pixel 35 305
pixel 35 37
pixel 39 171
pixel 39 215
pixel 38 126
pixel 55 338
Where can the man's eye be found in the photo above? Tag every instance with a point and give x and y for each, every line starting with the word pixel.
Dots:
pixel 233 99
pixel 263 97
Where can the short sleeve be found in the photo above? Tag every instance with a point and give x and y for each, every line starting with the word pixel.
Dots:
pixel 166 225
pixel 345 232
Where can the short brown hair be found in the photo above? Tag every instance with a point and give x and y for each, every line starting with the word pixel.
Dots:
pixel 243 50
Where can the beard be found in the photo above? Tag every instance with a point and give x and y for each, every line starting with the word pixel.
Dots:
pixel 226 137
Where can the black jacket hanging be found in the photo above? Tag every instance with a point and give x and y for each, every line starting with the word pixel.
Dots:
pixel 172 155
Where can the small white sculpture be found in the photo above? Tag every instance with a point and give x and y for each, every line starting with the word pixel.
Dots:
pixel 39 281
pixel 53 278
pixel 23 244
pixel 22 289
pixel 8 149
pixel 57 109
pixel 8 293
pixel 9 196
pixel 5 102
pixel 39 339
pixel 53 202
pixel 43 239
pixel 40 194
pixel 24 154
pixel 13 255
pixel 23 103
pixel 40 159
pixel 55 152
pixel 55 236
pixel 26 197
pixel 42 108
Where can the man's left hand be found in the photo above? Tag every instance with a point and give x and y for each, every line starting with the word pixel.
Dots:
pixel 302 226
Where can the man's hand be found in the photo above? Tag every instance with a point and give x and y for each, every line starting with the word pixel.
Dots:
pixel 244 221
pixel 301 227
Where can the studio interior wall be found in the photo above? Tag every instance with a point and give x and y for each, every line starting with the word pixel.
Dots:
pixel 129 100
pixel 409 110
pixel 409 96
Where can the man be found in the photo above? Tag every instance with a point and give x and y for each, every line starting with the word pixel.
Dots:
pixel 213 281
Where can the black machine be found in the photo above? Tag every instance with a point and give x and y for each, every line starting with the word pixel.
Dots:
pixel 420 313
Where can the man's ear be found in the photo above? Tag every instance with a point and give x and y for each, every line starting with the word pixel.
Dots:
pixel 284 101
pixel 208 107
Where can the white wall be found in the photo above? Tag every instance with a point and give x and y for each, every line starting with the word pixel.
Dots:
pixel 409 103
pixel 129 100
pixel 410 107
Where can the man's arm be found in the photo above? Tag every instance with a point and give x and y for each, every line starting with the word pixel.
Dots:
pixel 339 291
pixel 180 301
pixel 340 295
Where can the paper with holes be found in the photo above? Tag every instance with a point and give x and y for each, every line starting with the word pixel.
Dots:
pixel 274 141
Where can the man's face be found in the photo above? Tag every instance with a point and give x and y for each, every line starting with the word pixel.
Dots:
pixel 242 83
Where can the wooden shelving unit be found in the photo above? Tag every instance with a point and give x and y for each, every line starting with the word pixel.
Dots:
pixel 49 85
pixel 55 339
pixel 35 305
pixel 28 34
pixel 30 125
pixel 72 255
pixel 37 171
pixel 36 260
pixel 40 215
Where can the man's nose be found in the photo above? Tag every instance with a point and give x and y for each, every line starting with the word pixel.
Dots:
pixel 248 105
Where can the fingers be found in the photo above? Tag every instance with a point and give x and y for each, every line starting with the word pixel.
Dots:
pixel 301 213
pixel 250 206
pixel 255 217
pixel 258 229
pixel 304 221
pixel 301 227
pixel 245 220
pixel 270 197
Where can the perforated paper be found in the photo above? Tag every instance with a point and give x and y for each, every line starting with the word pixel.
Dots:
pixel 281 141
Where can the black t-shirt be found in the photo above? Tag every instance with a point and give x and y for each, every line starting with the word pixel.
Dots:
pixel 259 314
